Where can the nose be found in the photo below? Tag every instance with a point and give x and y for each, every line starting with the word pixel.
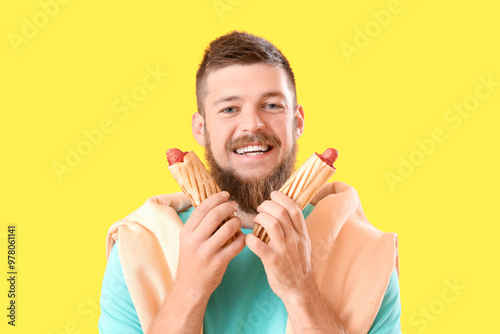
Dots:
pixel 252 121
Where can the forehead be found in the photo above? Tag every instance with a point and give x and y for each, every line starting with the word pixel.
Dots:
pixel 246 81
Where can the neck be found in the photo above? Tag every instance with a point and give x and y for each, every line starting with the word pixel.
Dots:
pixel 246 219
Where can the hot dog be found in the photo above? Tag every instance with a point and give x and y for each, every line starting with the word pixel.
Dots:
pixel 305 182
pixel 193 178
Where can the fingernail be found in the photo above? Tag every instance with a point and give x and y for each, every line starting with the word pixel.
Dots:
pixel 225 194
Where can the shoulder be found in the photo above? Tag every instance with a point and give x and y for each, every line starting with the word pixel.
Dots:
pixel 118 314
pixel 177 201
pixel 388 319
pixel 336 188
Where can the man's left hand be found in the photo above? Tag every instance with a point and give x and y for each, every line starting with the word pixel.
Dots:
pixel 287 261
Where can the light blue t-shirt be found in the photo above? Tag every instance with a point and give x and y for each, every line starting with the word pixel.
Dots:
pixel 243 303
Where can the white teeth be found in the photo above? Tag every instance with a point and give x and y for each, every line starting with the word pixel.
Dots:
pixel 252 150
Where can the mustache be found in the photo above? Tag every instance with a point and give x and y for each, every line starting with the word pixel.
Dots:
pixel 261 138
pixel 250 193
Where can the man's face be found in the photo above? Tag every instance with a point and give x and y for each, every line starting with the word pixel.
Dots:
pixel 249 130
pixel 246 101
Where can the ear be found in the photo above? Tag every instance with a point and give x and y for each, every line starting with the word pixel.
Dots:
pixel 299 114
pixel 198 128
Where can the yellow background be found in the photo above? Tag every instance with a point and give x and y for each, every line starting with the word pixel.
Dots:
pixel 372 106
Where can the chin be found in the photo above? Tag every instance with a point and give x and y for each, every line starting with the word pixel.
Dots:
pixel 255 173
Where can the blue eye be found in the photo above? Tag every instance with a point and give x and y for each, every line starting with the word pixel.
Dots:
pixel 273 106
pixel 228 110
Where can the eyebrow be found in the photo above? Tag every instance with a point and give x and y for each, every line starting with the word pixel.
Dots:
pixel 227 99
pixel 238 98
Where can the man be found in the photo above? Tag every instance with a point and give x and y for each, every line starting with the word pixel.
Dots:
pixel 248 120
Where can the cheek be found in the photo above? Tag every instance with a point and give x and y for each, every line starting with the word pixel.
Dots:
pixel 218 139
pixel 285 130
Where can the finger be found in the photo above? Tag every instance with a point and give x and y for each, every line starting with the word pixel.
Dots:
pixel 204 208
pixel 278 212
pixel 214 218
pixel 225 232
pixel 293 211
pixel 234 248
pixel 257 246
pixel 272 226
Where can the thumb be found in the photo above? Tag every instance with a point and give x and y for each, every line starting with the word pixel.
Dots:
pixel 257 246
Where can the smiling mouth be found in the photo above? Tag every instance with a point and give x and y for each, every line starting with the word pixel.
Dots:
pixel 253 149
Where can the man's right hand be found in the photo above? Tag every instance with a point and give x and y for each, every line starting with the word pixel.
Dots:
pixel 202 257
pixel 203 260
